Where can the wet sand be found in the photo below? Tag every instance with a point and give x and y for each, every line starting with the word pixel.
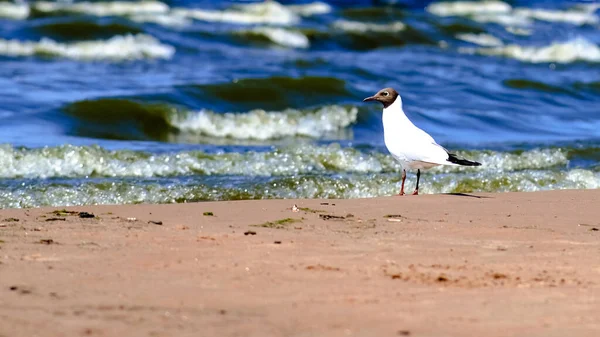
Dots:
pixel 510 264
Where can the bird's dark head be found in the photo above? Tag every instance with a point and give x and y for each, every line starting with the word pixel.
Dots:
pixel 385 96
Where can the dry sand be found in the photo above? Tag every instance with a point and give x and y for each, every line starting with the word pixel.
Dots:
pixel 514 264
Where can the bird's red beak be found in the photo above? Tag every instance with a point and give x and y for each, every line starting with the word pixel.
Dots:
pixel 369 99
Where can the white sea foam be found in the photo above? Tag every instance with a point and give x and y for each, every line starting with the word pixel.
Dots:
pixel 289 172
pixel 262 125
pixel 347 186
pixel 464 8
pixel 280 36
pixel 268 12
pixel 481 39
pixel 17 11
pixel 582 179
pixel 310 9
pixel 364 27
pixel 484 11
pixel 536 159
pixel 503 14
pixel 77 161
pixel 85 161
pixel 507 20
pixel 518 31
pixel 578 49
pixel 113 8
pixel 577 17
pixel 117 48
pixel 522 181
pixel 166 19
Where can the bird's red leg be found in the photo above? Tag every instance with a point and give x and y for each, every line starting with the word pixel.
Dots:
pixel 416 192
pixel 403 179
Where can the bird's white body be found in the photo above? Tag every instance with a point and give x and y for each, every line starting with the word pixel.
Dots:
pixel 411 146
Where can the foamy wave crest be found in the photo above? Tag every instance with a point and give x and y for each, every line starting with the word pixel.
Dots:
pixel 128 47
pixel 113 8
pixel 573 16
pixel 503 14
pixel 464 8
pixel 525 181
pixel 163 19
pixel 93 175
pixel 485 11
pixel 363 27
pixel 506 20
pixel 536 159
pixel 268 12
pixel 262 125
pixel 310 9
pixel 356 185
pixel 144 11
pixel 579 49
pixel 481 39
pixel 17 11
pixel 279 36
pixel 93 161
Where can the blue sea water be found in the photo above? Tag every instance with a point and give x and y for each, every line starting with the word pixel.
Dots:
pixel 110 102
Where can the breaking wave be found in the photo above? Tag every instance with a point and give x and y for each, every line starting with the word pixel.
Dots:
pixel 578 49
pixel 481 39
pixel 573 16
pixel 93 175
pixel 160 191
pixel 263 125
pixel 363 27
pixel 117 48
pixel 267 12
pixel 97 118
pixel 279 36
pixel 310 9
pixel 112 8
pixel 504 14
pixel 163 19
pixel 465 8
pixel 93 161
pixel 17 11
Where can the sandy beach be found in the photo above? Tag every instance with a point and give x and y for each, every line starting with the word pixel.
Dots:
pixel 230 168
pixel 506 264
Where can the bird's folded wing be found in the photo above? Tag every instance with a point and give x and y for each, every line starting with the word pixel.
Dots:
pixel 423 147
pixel 429 152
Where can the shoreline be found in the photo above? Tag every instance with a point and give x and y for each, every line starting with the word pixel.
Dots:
pixel 75 175
pixel 489 263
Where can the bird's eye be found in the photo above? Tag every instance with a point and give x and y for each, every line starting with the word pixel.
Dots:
pixel 385 93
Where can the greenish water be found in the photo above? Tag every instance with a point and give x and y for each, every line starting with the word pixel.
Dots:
pixel 77 175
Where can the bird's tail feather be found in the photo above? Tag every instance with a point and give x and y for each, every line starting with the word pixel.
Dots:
pixel 460 161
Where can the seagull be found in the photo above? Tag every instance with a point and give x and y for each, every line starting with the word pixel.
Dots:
pixel 411 146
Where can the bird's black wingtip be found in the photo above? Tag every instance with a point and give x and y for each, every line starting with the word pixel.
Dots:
pixel 460 161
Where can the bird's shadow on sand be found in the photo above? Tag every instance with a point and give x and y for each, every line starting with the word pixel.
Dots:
pixel 468 195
